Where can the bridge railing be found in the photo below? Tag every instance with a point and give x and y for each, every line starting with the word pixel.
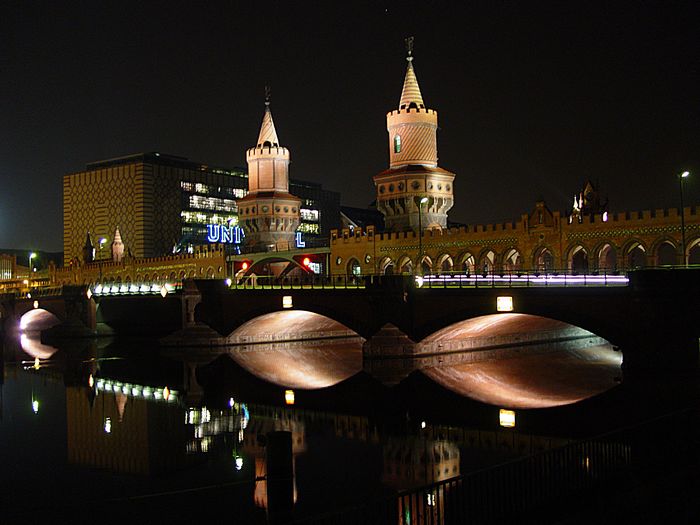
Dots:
pixel 526 279
pixel 552 481
pixel 311 282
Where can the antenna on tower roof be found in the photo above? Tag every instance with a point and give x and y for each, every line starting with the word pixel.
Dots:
pixel 409 48
pixel 268 94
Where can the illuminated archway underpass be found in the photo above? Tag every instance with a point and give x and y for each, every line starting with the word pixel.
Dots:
pixel 520 361
pixel 508 359
pixel 37 320
pixel 297 349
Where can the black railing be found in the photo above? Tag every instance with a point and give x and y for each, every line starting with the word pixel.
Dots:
pixel 556 480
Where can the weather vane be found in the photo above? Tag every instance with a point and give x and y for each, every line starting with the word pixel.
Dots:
pixel 409 47
pixel 268 92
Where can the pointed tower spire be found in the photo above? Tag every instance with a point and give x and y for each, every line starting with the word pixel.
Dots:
pixel 268 134
pixel 411 91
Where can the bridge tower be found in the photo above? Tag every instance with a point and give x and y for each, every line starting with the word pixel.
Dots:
pixel 269 214
pixel 413 175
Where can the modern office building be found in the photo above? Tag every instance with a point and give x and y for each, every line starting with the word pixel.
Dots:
pixel 164 203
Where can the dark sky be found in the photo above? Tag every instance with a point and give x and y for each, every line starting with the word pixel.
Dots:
pixel 533 97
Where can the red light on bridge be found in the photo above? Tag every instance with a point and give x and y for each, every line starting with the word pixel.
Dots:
pixel 306 262
pixel 244 265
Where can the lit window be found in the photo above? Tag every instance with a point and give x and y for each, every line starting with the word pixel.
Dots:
pixel 397 143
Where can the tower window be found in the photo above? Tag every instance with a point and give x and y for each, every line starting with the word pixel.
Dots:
pixel 397 143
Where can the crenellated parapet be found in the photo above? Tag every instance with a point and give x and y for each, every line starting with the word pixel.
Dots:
pixel 539 241
pixel 205 262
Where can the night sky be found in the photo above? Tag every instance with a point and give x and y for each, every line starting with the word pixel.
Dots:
pixel 533 97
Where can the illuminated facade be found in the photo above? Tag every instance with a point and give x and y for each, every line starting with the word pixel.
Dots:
pixel 414 193
pixel 269 214
pixel 539 241
pixel 162 203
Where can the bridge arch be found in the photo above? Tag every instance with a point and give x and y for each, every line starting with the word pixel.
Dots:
pixel 467 262
pixel 543 259
pixel 512 260
pixel 487 260
pixel 635 254
pixel 386 266
pixel 405 265
pixel 426 264
pixel 550 363
pixel 577 259
pixel 665 252
pixel 693 251
pixel 445 263
pixel 605 254
pixel 353 268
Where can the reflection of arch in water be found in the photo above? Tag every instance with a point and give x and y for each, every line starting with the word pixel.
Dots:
pixel 38 319
pixel 31 345
pixel 572 366
pixel 302 364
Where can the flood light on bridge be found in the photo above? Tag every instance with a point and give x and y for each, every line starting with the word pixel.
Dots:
pixel 289 397
pixel 36 304
pixel 163 291
pixel 504 304
pixel 88 293
pixel 506 418
pixel 91 381
pixel 37 363
pixel 287 301
pixel 108 425
pixel 229 282
pixel 419 281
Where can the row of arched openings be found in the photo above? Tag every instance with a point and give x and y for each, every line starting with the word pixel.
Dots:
pixel 579 259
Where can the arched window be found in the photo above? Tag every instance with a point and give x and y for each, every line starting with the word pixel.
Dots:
pixel 397 143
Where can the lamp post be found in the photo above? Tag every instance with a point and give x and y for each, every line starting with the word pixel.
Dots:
pixel 682 176
pixel 31 256
pixel 422 201
pixel 101 244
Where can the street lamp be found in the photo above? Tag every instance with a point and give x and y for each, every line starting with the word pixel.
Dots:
pixel 682 176
pixel 420 234
pixel 31 256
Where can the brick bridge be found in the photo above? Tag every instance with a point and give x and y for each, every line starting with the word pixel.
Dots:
pixel 653 320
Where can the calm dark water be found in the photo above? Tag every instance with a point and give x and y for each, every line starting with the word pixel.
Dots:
pixel 110 430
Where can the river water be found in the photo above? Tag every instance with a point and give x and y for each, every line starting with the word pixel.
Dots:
pixel 109 430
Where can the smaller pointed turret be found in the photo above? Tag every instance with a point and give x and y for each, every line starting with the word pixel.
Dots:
pixel 410 95
pixel 269 214
pixel 88 250
pixel 117 246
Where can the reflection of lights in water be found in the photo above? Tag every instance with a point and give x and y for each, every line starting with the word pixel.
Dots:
pixel 35 406
pixel 289 397
pixel 239 462
pixel 133 390
pixel 422 424
pixel 91 381
pixel 108 425
pixel 36 363
pixel 230 403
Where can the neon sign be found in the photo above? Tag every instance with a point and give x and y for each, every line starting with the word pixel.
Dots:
pixel 225 234
pixel 299 241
